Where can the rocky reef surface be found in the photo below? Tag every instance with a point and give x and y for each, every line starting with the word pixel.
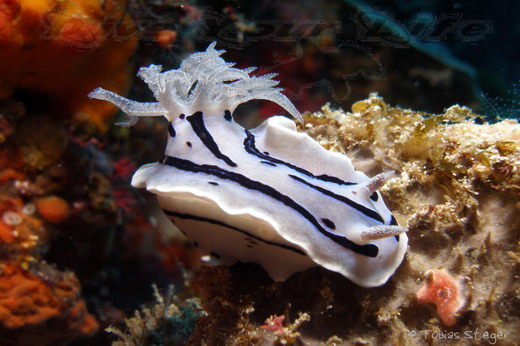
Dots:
pixel 457 188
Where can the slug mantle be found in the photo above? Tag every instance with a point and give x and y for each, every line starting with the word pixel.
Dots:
pixel 269 195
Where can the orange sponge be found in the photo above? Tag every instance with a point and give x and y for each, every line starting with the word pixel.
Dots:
pixel 53 209
pixel 43 308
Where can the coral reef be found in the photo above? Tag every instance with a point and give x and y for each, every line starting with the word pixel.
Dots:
pixel 65 201
pixel 63 49
pixel 38 303
pixel 457 188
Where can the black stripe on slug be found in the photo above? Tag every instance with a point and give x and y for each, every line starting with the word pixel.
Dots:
pixel 197 123
pixel 369 250
pixel 171 130
pixel 268 163
pixel 225 225
pixel 249 146
pixel 393 222
pixel 362 209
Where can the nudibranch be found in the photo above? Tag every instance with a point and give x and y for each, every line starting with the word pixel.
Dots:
pixel 270 195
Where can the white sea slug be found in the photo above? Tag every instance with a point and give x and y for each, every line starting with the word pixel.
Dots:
pixel 270 195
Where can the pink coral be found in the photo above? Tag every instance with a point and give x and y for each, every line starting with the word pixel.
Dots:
pixel 274 324
pixel 445 292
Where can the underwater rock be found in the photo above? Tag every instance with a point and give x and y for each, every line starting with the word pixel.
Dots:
pixel 457 188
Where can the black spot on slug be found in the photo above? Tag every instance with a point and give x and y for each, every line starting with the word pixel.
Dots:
pixel 227 115
pixel 188 144
pixel 328 223
pixel 374 196
pixel 182 116
pixel 212 183
pixel 171 130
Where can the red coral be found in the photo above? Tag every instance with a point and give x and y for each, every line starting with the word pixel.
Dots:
pixel 123 168
pixel 124 199
pixel 445 292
